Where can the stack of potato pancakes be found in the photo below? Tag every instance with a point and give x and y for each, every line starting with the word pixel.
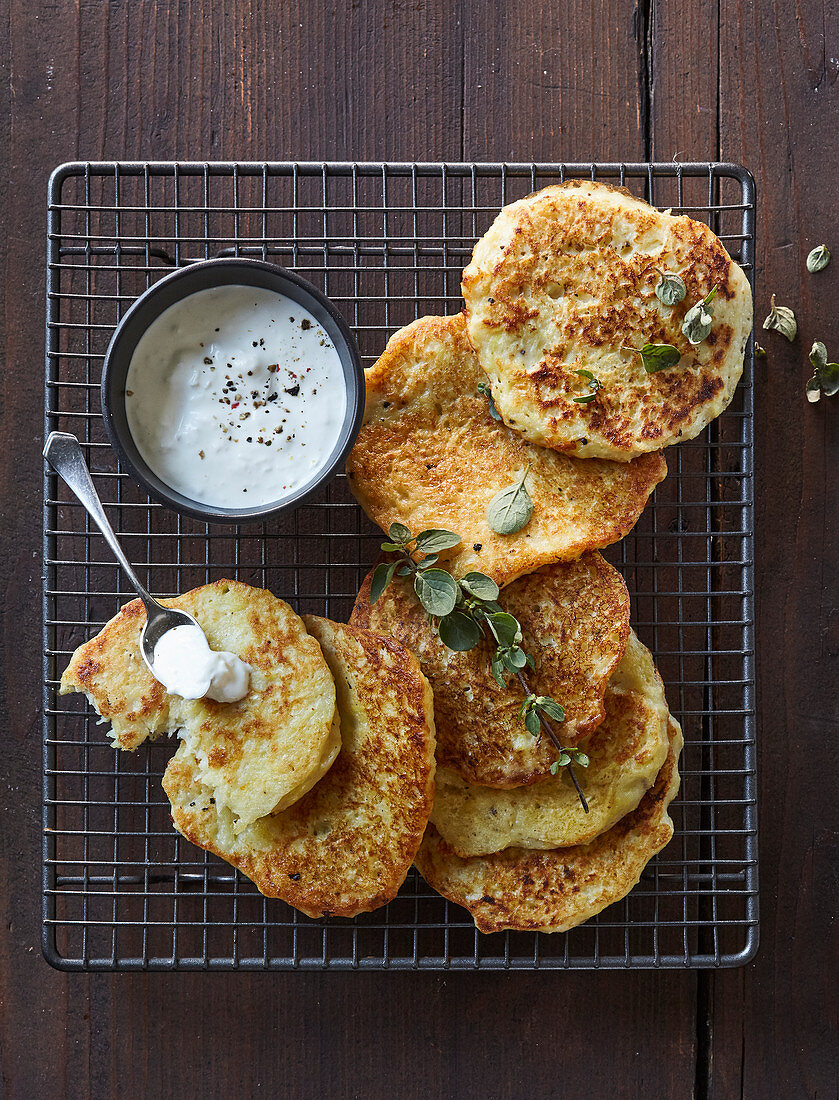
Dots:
pixel 320 784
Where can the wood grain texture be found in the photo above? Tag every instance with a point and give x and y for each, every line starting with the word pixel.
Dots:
pixel 774 1025
pixel 445 80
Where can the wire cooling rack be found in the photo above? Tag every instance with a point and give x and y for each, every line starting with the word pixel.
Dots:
pixel 387 242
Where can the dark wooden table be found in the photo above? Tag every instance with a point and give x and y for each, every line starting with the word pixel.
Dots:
pixel 305 79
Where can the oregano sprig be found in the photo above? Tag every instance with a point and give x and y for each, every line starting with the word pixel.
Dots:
pixel 467 612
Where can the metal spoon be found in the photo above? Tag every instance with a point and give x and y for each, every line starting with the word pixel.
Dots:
pixel 64 454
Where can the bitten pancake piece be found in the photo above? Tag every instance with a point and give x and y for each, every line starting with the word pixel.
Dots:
pixel 347 845
pixel 430 455
pixel 626 753
pixel 255 755
pixel 552 891
pixel 564 281
pixel 575 624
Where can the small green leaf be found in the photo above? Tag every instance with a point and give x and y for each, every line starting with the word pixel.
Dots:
pixel 459 632
pixel 404 571
pixel 781 319
pixel 564 760
pixel 829 379
pixel 398 532
pixel 382 576
pixel 593 386
pixel 480 585
pixel 437 591
pixel 818 355
pixel 818 259
pixel 532 723
pixel 550 707
pixel 430 542
pixel 426 563
pixel 656 357
pixel 517 657
pixel 671 289
pixel 697 323
pixel 485 391
pixel 554 767
pixel 505 628
pixel 581 759
pixel 497 669
pixel 530 662
pixel 390 547
pixel 511 509
pixel 814 389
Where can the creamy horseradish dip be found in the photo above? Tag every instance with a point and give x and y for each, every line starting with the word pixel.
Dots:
pixel 186 666
pixel 235 397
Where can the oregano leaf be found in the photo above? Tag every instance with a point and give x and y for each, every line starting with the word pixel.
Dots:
pixel 496 667
pixel 437 591
pixel 399 533
pixel 458 631
pixel 671 289
pixel 697 323
pixel 505 628
pixel 818 259
pixel 485 391
pixel 429 542
pixel 781 319
pixel 532 723
pixel 517 657
pixel 593 386
pixel 829 379
pixel 510 509
pixel 551 708
pixel 656 357
pixel 382 576
pixel 480 585
pixel 818 355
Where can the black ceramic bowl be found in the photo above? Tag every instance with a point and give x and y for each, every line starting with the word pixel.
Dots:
pixel 237 271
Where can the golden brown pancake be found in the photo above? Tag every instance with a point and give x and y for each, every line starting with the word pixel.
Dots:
pixel 575 624
pixel 626 753
pixel 430 455
pixel 255 755
pixel 563 281
pixel 347 845
pixel 551 891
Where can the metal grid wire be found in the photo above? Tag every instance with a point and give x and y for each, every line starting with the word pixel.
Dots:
pixel 387 242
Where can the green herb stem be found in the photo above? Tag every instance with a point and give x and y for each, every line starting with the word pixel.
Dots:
pixel 551 732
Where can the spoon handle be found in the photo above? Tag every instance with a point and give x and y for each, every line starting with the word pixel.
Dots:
pixel 64 454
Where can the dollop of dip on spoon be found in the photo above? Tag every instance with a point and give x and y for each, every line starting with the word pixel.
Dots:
pixel 186 666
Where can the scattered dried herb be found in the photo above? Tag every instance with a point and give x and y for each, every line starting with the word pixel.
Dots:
pixel 818 259
pixel 825 378
pixel 781 319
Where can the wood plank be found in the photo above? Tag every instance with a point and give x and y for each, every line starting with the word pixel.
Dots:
pixel 553 82
pixel 684 68
pixel 246 79
pixel 775 1025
